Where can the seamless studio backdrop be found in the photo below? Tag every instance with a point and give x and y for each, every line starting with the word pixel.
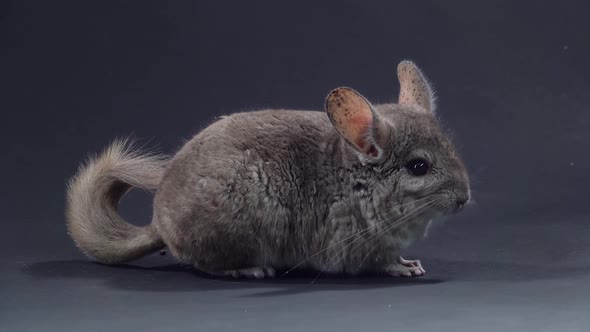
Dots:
pixel 512 84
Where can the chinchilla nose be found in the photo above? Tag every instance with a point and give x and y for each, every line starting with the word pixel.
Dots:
pixel 462 200
pixel 460 205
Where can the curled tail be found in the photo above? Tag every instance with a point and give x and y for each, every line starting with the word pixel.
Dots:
pixel 93 196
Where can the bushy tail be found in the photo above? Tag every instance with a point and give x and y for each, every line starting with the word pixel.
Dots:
pixel 93 196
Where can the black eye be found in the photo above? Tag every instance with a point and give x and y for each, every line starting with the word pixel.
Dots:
pixel 418 167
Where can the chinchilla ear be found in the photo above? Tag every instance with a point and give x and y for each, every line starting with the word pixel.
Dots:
pixel 354 119
pixel 414 87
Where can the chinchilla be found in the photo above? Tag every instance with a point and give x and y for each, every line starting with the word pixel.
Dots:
pixel 340 191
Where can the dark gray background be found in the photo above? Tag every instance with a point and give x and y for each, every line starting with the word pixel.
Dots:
pixel 512 82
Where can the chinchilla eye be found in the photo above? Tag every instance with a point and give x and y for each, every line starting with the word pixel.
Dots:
pixel 418 167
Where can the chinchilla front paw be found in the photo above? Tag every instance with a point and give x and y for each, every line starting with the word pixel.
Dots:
pixel 405 268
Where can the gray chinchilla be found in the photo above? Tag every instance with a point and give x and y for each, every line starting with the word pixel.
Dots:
pixel 340 191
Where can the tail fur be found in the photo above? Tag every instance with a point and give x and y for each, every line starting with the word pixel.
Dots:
pixel 93 196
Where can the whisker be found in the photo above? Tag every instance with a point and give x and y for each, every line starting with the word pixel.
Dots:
pixel 353 235
pixel 389 227
pixel 367 255
pixel 398 222
pixel 410 202
pixel 356 241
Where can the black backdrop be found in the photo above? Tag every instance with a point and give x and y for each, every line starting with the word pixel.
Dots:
pixel 511 78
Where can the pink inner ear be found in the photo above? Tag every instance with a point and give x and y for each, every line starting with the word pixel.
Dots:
pixel 373 151
pixel 361 125
pixel 352 116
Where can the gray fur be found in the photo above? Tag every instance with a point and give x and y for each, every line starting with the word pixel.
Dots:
pixel 276 189
pixel 93 196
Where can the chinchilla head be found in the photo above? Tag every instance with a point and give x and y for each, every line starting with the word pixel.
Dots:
pixel 401 157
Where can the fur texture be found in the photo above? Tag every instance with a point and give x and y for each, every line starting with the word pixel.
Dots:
pixel 273 189
pixel 93 196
